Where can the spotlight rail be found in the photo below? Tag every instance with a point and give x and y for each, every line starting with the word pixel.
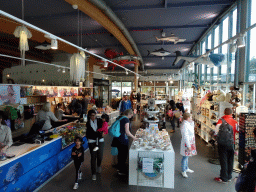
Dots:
pixel 60 39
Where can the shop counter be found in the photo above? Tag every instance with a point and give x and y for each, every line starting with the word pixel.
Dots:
pixel 164 177
pixel 34 164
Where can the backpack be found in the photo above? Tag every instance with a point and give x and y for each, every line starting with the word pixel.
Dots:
pixel 225 136
pixel 114 130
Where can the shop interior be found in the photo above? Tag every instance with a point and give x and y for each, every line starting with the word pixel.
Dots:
pixel 95 53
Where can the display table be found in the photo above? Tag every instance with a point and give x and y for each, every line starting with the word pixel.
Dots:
pixel 165 179
pixel 34 164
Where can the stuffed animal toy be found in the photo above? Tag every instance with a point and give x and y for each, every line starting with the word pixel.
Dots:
pixel 228 97
pixel 221 96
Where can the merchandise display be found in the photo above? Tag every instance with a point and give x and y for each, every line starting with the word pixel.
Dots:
pixel 247 123
pixel 151 138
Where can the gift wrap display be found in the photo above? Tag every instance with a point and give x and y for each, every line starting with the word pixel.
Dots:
pixel 152 158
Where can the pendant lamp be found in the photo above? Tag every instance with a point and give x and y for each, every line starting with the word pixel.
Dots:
pixel 77 67
pixel 24 34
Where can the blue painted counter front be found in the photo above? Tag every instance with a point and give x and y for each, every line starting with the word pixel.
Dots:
pixel 31 170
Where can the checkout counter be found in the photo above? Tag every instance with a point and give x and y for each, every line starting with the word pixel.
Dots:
pixel 34 164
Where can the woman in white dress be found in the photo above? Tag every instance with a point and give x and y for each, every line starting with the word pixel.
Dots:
pixel 188 146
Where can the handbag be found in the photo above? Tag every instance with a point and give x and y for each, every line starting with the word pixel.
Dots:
pixel 114 151
pixel 193 150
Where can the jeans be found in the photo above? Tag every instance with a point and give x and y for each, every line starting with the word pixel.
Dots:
pixel 122 157
pixel 77 166
pixel 173 120
pixel 226 157
pixel 96 156
pixel 184 163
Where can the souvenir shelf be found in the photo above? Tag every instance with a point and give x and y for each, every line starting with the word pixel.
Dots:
pixel 206 114
pixel 247 123
pixel 37 101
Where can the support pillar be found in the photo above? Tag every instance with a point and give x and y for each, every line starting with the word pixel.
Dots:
pixel 136 70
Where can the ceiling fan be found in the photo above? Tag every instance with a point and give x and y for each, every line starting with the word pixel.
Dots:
pixel 44 46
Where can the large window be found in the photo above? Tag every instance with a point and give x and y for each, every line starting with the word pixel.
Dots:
pixel 251 67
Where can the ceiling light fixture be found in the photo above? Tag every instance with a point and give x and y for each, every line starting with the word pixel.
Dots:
pixel 54 44
pixel 232 48
pixel 105 64
pixel 126 72
pixel 58 70
pixel 162 58
pixel 43 80
pixel 8 75
pixel 63 71
pixel 240 42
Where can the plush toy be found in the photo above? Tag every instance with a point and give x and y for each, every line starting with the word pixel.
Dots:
pixel 228 97
pixel 221 96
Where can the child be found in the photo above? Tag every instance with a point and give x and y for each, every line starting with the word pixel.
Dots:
pixel 104 128
pixel 78 156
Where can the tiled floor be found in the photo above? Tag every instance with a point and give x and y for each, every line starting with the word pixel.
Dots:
pixel 108 180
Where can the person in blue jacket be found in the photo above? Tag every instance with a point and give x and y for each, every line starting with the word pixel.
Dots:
pixel 125 104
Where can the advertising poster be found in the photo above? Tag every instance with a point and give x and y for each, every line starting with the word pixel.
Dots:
pixel 9 94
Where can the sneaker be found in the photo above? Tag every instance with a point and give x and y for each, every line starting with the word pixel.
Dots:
pixel 98 169
pixel 219 180
pixel 184 174
pixel 76 186
pixel 189 171
pixel 96 149
pixel 94 177
pixel 80 176
pixel 120 173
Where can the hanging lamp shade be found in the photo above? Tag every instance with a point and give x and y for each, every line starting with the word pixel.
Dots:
pixel 77 67
pixel 24 34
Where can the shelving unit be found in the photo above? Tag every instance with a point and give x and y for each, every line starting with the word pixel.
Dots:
pixel 205 116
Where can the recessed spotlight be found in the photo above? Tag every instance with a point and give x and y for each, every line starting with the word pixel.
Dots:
pixel 8 75
pixel 63 71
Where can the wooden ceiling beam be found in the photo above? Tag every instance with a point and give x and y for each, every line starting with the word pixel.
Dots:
pixel 92 11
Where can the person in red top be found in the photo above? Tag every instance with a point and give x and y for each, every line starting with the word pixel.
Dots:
pixel 226 155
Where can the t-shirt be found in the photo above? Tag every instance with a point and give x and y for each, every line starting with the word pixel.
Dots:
pixel 123 138
pixel 77 151
pixel 229 119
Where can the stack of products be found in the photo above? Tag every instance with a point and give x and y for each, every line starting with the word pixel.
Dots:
pixel 150 139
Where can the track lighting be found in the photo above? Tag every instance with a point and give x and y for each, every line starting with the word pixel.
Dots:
pixel 63 71
pixel 54 44
pixel 232 48
pixel 58 70
pixel 126 72
pixel 240 41
pixel 105 64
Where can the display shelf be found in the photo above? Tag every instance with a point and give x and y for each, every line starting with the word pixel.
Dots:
pixel 151 121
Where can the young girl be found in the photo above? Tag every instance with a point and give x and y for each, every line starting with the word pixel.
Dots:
pixel 104 127
pixel 105 120
pixel 188 145
pixel 78 156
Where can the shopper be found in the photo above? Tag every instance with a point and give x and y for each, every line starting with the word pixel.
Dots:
pixel 5 136
pixel 173 111
pixel 93 136
pixel 122 142
pixel 226 128
pixel 84 104
pixel 125 104
pixel 46 115
pixel 78 157
pixel 59 111
pixel 188 145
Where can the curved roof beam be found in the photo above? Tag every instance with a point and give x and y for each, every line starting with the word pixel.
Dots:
pixel 95 13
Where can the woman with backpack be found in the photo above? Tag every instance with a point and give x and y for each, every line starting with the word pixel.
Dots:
pixel 94 136
pixel 122 142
